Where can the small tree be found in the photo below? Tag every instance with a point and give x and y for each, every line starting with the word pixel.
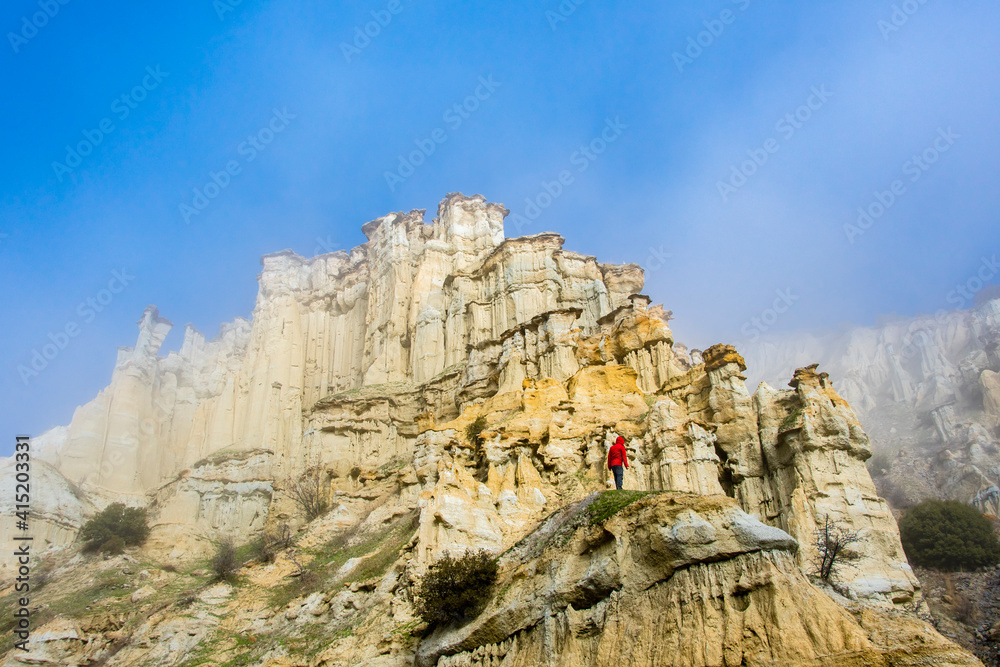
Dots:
pixel 224 563
pixel 128 524
pixel 948 535
pixel 309 493
pixel 455 590
pixel 832 541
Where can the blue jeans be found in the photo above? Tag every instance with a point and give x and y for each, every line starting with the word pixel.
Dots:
pixel 619 472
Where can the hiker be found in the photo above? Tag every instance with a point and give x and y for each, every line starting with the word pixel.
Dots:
pixel 617 456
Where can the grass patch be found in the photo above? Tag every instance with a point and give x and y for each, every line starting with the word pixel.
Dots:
pixel 392 465
pixel 377 564
pixel 610 503
pixel 229 650
pixel 107 589
pixel 792 418
pixel 301 641
pixel 97 589
pixel 410 629
pixel 229 453
pixel 379 550
pixel 311 639
pixel 245 552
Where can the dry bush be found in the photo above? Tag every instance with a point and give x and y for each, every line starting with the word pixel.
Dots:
pixel 965 609
pixel 225 563
pixel 309 492
pixel 832 542
pixel 962 605
pixel 265 547
pixel 474 428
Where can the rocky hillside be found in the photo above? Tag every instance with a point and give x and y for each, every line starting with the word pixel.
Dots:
pixel 927 390
pixel 453 390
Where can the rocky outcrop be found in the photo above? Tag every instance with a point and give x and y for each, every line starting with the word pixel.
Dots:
pixel 57 508
pixel 671 580
pixel 926 391
pixel 449 389
pixel 640 579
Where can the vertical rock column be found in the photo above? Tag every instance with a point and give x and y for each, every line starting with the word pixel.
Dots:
pixel 111 445
pixel 731 410
pixel 817 470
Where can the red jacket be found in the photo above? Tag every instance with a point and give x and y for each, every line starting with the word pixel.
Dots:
pixel 617 455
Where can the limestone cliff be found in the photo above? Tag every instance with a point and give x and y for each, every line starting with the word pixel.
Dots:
pixel 926 388
pixel 457 390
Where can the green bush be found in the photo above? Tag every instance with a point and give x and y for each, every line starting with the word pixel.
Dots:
pixel 948 535
pixel 455 590
pixel 113 546
pixel 474 428
pixel 128 524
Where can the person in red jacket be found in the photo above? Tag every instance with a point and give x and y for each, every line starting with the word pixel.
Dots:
pixel 617 457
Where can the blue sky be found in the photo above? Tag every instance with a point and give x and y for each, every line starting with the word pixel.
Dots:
pixel 747 136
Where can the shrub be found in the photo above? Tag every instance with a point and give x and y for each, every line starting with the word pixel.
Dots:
pixel 455 590
pixel 224 563
pixel 878 464
pixel 832 553
pixel 948 535
pixel 113 546
pixel 265 547
pixel 474 428
pixel 309 493
pixel 128 524
pixel 965 609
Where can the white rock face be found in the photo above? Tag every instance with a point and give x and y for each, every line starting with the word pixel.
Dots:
pixel 57 511
pixel 415 300
pixel 927 390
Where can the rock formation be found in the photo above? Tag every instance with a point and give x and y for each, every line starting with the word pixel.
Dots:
pixel 473 383
pixel 926 389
